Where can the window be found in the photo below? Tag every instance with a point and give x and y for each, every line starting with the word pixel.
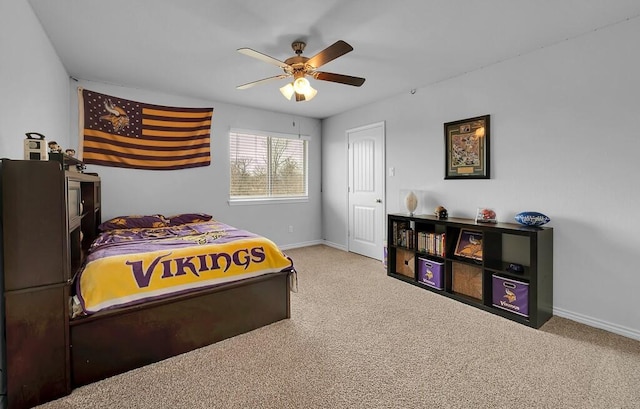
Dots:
pixel 267 166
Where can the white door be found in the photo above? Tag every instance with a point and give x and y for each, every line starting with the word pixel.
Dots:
pixel 366 190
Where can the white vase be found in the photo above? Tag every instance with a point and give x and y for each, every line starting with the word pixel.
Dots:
pixel 411 201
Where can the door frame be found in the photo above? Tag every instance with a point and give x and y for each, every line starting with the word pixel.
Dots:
pixel 383 213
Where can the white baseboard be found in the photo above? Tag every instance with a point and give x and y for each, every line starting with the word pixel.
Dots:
pixel 303 244
pixel 334 245
pixel 596 323
pixel 313 243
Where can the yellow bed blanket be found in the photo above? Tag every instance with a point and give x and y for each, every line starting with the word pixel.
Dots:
pixel 130 266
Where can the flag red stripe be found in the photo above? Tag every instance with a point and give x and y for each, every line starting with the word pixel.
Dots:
pixel 147 113
pixel 101 154
pixel 152 140
pixel 177 112
pixel 175 124
pixel 157 151
pixel 148 167
pixel 164 132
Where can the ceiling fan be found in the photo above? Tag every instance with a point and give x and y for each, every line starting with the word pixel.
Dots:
pixel 299 67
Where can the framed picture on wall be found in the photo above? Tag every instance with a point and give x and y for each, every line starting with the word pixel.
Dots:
pixel 467 148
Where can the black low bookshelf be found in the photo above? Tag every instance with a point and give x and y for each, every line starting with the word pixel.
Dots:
pixel 503 268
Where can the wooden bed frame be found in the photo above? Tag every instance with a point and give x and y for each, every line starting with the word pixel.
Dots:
pixel 46 353
pixel 106 344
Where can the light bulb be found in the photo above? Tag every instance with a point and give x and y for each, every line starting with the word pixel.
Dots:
pixel 301 85
pixel 287 91
pixel 310 93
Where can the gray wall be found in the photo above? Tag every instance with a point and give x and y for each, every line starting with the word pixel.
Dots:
pixel 33 94
pixel 34 88
pixel 564 141
pixel 206 189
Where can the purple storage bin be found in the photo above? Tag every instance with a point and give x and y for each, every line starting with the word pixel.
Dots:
pixel 510 295
pixel 430 273
pixel 385 255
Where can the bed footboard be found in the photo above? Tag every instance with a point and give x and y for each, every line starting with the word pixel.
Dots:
pixel 113 342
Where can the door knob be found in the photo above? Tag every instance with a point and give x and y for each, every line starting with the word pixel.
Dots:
pixel 378 200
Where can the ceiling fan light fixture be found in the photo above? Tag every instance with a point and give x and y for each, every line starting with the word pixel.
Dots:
pixel 301 85
pixel 287 90
pixel 310 93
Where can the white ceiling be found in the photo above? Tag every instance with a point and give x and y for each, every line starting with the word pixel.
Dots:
pixel 188 47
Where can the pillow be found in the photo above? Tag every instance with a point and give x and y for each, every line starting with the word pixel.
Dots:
pixel 133 222
pixel 185 218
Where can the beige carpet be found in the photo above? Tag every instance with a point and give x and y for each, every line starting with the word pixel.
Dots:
pixel 360 339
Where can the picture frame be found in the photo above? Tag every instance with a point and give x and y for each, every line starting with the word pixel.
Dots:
pixel 467 148
pixel 469 244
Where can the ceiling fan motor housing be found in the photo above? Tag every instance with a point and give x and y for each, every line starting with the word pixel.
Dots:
pixel 296 64
pixel 298 46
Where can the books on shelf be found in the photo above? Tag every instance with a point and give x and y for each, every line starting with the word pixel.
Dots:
pixel 406 238
pixel 403 235
pixel 431 243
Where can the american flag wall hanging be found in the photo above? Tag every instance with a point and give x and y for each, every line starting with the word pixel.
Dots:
pixel 129 134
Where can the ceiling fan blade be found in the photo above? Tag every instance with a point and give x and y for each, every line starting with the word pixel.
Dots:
pixel 262 81
pixel 263 57
pixel 342 79
pixel 329 54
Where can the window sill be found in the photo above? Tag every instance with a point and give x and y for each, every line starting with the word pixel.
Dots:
pixel 267 201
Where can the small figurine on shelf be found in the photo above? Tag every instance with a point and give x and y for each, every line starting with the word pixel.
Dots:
pixel 70 152
pixel 485 216
pixel 441 213
pixel 54 147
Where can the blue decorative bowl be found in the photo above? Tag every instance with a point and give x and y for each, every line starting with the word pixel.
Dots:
pixel 532 218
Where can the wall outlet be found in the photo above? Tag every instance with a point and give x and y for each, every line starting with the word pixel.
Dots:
pixel 290 229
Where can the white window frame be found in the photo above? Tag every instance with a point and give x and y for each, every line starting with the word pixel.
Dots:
pixel 235 201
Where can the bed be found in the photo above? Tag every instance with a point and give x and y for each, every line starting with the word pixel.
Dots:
pixel 153 287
